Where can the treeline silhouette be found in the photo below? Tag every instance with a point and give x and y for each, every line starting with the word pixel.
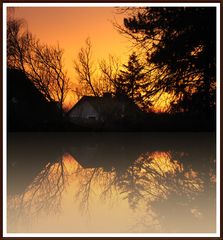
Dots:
pixel 28 110
pixel 174 57
pixel 179 43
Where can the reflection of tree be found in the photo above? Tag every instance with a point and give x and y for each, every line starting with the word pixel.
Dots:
pixel 43 194
pixel 86 187
pixel 45 191
pixel 89 180
pixel 155 179
pixel 155 187
pixel 169 188
pixel 155 176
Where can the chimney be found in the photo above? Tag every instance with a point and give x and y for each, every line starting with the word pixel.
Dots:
pixel 107 95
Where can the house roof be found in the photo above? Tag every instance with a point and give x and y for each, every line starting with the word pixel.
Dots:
pixel 107 104
pixel 91 99
pixel 95 102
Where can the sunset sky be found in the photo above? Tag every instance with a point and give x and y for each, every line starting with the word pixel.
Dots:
pixel 70 26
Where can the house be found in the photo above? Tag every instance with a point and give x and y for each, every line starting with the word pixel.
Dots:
pixel 108 109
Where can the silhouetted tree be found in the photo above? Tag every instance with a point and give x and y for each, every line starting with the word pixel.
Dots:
pixel 110 71
pixel 94 79
pixel 17 42
pixel 42 64
pixel 45 69
pixel 130 80
pixel 180 42
pixel 84 69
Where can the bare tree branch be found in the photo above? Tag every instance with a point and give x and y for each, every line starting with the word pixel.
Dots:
pixel 84 67
pixel 42 64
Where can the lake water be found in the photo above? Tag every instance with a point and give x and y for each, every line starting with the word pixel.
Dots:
pixel 111 183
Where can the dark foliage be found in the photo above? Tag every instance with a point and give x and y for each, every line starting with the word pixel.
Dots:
pixel 130 81
pixel 181 44
pixel 42 64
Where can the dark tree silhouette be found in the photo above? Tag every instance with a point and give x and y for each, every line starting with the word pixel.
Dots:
pixel 46 71
pixel 110 70
pixel 94 79
pixel 85 69
pixel 131 79
pixel 181 43
pixel 17 41
pixel 41 63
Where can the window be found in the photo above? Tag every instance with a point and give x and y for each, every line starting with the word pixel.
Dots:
pixel 91 117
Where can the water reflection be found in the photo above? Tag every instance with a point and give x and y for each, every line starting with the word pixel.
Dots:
pixel 111 182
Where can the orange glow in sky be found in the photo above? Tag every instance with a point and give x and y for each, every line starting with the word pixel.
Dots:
pixel 71 26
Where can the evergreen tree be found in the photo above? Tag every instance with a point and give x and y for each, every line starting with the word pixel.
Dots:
pixel 130 79
pixel 180 44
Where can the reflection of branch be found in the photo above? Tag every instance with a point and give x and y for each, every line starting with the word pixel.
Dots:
pixel 152 177
pixel 110 185
pixel 145 222
pixel 45 191
pixel 86 188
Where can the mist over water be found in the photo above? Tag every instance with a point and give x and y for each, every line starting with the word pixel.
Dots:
pixel 111 182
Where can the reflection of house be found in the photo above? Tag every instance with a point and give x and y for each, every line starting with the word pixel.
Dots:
pixel 105 109
pixel 104 156
pixel 106 150
pixel 27 108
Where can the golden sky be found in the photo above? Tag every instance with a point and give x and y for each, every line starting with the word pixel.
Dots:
pixel 71 26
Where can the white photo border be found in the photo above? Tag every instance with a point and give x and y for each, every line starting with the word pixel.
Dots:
pixel 4 55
